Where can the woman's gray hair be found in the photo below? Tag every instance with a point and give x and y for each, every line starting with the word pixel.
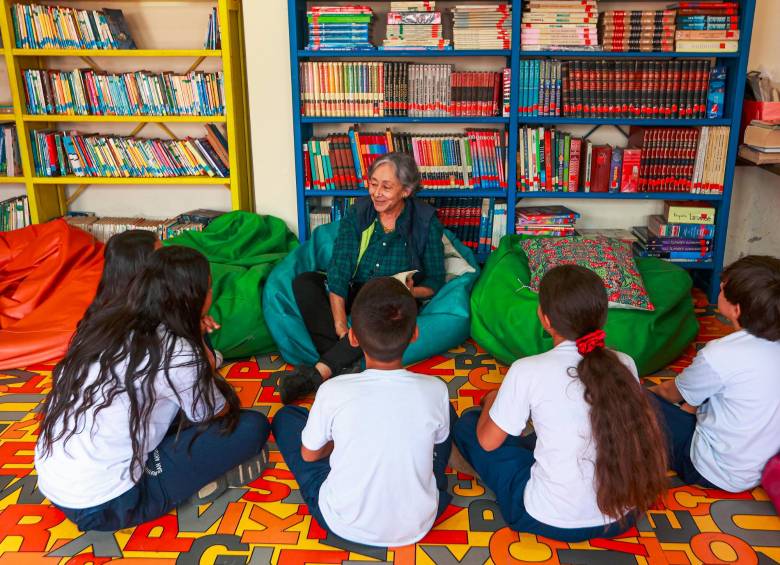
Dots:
pixel 405 169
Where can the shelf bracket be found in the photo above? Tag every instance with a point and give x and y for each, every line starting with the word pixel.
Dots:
pixel 167 130
pixel 196 64
pixel 92 64
pixel 138 129
pixel 78 192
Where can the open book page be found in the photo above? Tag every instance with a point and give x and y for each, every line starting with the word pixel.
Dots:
pixel 402 276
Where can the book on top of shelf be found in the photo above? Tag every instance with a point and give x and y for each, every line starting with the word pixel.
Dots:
pixel 559 25
pixel 408 29
pixel 339 28
pixel 709 27
pixel 684 212
pixel 482 26
pixel 213 31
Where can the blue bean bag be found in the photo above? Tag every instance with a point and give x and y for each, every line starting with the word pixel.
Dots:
pixel 443 322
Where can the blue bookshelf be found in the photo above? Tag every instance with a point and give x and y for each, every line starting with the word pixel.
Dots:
pixel 736 63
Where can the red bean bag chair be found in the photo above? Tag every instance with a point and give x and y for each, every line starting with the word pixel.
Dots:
pixel 48 276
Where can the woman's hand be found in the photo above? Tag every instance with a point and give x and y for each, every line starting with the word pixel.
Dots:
pixel 208 324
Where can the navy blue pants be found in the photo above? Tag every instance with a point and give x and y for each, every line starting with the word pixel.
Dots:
pixel 288 425
pixel 506 471
pixel 678 426
pixel 175 471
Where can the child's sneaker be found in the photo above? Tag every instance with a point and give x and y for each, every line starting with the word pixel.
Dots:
pixel 238 476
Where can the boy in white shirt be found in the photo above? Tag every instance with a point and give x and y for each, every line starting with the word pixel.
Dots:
pixel 371 455
pixel 734 385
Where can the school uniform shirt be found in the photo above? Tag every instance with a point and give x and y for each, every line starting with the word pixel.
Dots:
pixel 93 465
pixel 381 489
pixel 735 382
pixel 561 491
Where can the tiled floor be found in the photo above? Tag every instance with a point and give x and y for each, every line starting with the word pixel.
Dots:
pixel 266 522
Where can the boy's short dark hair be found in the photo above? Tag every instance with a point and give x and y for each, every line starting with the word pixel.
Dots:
pixel 384 316
pixel 753 283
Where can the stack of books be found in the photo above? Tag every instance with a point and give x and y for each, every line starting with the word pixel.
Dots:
pixel 10 159
pixel 762 143
pixel 339 28
pixel 477 223
pixel 482 27
pixel 683 233
pixel 326 209
pixel 61 27
pixel 632 30
pixel 707 26
pixel 559 25
pixel 102 228
pixel 58 153
pixel 620 234
pixel 88 92
pixel 546 220
pixel 414 25
pixel 214 33
pixel 14 213
pixel 474 160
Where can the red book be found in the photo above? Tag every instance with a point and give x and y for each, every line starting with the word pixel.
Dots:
pixel 599 176
pixel 548 160
pixel 632 160
pixel 575 150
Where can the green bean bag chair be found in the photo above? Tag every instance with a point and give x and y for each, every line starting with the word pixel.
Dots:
pixel 443 322
pixel 242 249
pixel 504 320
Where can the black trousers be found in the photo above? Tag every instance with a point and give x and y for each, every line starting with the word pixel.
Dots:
pixel 311 294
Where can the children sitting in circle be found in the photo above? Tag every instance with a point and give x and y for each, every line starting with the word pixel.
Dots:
pixel 734 385
pixel 137 420
pixel 599 459
pixel 372 435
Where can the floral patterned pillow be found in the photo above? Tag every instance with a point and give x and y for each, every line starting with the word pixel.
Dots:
pixel 610 259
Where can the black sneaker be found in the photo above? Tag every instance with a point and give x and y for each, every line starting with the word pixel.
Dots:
pixel 304 380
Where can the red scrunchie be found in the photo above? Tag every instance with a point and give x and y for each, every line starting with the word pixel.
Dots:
pixel 591 341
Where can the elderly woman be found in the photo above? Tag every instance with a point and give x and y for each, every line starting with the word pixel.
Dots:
pixel 388 233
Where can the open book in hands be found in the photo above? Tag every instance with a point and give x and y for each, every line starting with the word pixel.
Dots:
pixel 405 276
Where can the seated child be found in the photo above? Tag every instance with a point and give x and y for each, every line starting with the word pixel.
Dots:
pixel 734 383
pixel 108 455
pixel 124 256
pixel 599 459
pixel 370 457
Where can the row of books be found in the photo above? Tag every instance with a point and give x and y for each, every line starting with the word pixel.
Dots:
pixel 60 27
pixel 554 220
pixel 559 25
pixel 683 233
pixel 213 32
pixel 637 30
pixel 473 160
pixel 398 89
pixel 339 27
pixel 103 228
pixel 14 213
pixel 479 223
pixel 642 89
pixel 656 160
pixel 708 26
pixel 89 92
pixel 70 153
pixel 10 158
pixel 326 209
pixel 410 28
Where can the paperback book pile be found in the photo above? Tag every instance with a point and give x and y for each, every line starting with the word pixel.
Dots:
pixel 478 223
pixel 339 28
pixel 683 233
pixel 70 153
pixel 635 89
pixel 414 25
pixel 545 220
pixel 214 33
pixel 61 27
pixel 633 30
pixel 559 25
pixel 10 159
pixel 14 213
pixel 762 143
pixel 482 27
pixel 88 92
pixel 707 26
pixel 474 160
pixel 398 89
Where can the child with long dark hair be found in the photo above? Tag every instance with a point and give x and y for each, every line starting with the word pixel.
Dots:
pixel 599 459
pixel 105 455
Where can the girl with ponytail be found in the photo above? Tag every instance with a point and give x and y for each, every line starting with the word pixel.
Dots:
pixel 599 459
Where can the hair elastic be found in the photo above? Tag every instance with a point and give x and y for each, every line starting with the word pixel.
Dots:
pixel 591 341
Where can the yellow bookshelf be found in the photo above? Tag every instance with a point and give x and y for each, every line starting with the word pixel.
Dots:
pixel 47 196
